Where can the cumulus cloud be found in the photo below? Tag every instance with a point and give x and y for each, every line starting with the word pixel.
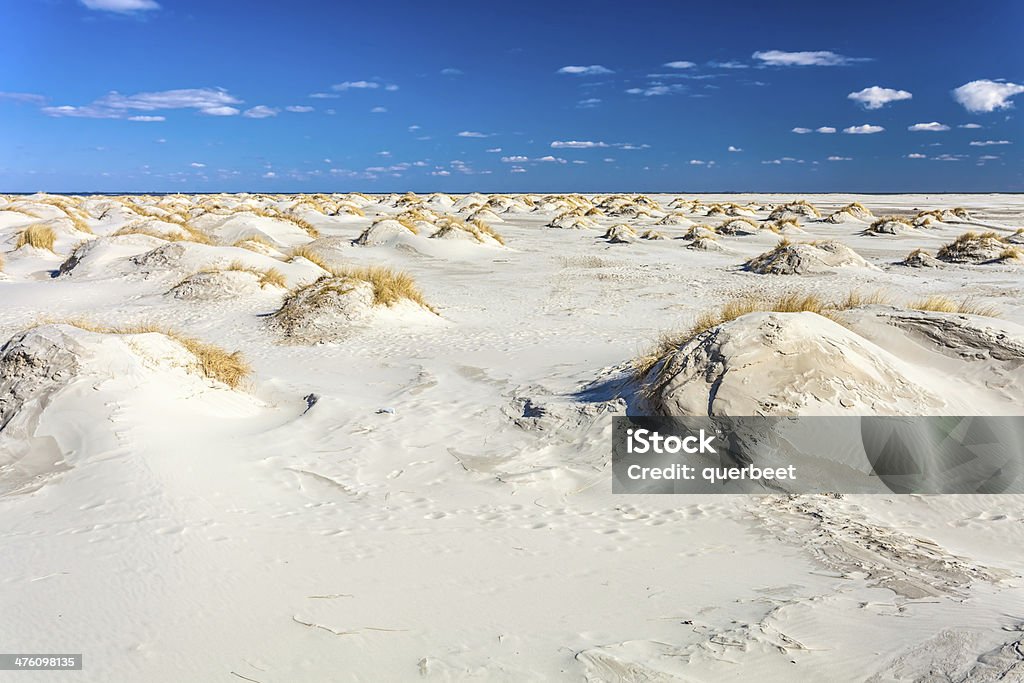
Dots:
pixel 933 126
pixel 260 112
pixel 196 164
pixel 826 129
pixel 379 110
pixel 121 6
pixel 989 143
pixel 114 105
pixel 592 70
pixel 588 103
pixel 147 119
pixel 299 109
pixel 515 159
pixel 517 169
pixel 866 129
pixel 361 85
pixel 801 131
pixel 877 97
pixel 734 149
pixel 729 65
pixel 577 144
pixel 969 125
pixel 915 155
pixel 834 158
pixel 815 58
pixel 493 150
pixel 986 95
pixel 679 65
pixel 472 134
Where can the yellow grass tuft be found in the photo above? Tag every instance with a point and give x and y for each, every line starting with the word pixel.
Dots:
pixel 38 236
pixel 389 286
pixel 942 304
pixel 1012 253
pixel 213 361
pixel 310 254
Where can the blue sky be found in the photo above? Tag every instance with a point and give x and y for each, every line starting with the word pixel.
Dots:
pixel 218 95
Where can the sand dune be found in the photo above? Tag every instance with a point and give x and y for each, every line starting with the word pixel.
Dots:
pixel 367 437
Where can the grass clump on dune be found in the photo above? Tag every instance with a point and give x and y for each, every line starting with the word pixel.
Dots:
pixel 389 286
pixel 213 362
pixel 731 310
pixel 310 254
pixel 38 236
pixel 942 304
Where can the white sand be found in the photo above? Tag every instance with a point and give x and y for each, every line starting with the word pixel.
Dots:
pixel 172 529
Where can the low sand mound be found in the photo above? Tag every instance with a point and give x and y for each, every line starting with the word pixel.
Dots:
pixel 739 227
pixel 572 220
pixel 881 360
pixel 651 235
pixel 96 257
pixel 919 258
pixel 387 231
pixel 790 258
pixel 336 306
pixel 49 374
pixel 851 212
pixel 234 282
pixel 797 209
pixel 620 234
pixel 705 244
pixel 1016 238
pixel 783 364
pixel 698 231
pixel 889 225
pixel 674 219
pixel 972 247
pixel 450 228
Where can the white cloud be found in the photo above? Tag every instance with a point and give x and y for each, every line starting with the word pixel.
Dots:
pixel 826 129
pixel 323 95
pixel 23 97
pixel 355 85
pixel 221 111
pixel 122 6
pixel 729 65
pixel 114 105
pixel 391 87
pixel 269 174
pixel 577 144
pixel 608 160
pixel 196 164
pixel 413 128
pixel 147 119
pixel 592 70
pixel 877 97
pixel 472 134
pixel 701 162
pixel 588 103
pixel 816 58
pixel 493 150
pixel 299 109
pixel 440 173
pixel 840 158
pixel 986 95
pixel 656 89
pixel 971 126
pixel 987 157
pixel 734 149
pixel 915 155
pixel 934 127
pixel 379 110
pixel 551 159
pixel 451 71
pixel 989 143
pixel 679 65
pixel 866 129
pixel 801 131
pixel 948 157
pixel 772 161
pixel 517 169
pixel 260 112
pixel 515 159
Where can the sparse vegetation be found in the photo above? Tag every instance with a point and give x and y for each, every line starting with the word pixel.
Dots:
pixel 389 286
pixel 38 236
pixel 310 254
pixel 942 304
pixel 972 247
pixel 213 362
